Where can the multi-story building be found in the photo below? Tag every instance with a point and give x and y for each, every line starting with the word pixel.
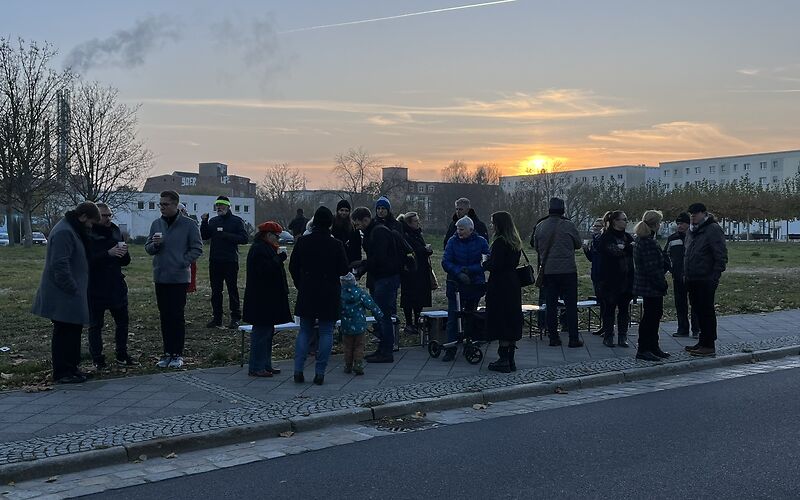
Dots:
pixel 762 168
pixel 625 175
pixel 211 179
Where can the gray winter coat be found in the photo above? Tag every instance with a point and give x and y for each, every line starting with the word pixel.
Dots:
pixel 706 255
pixel 65 279
pixel 180 246
pixel 561 257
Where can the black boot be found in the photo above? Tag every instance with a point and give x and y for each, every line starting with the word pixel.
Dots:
pixel 511 363
pixel 622 341
pixel 608 339
pixel 501 365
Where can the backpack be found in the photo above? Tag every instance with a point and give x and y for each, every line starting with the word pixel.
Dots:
pixel 405 252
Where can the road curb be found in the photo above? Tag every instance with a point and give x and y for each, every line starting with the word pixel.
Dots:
pixel 23 471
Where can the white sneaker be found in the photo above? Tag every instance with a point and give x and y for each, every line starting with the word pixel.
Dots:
pixel 176 362
pixel 164 361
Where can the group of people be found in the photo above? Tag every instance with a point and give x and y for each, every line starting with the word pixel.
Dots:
pixel 83 279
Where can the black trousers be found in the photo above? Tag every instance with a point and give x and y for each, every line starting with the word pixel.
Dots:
pixel 566 287
pixel 220 272
pixel 171 300
pixel 97 315
pixel 66 349
pixel 701 297
pixel 621 305
pixel 412 315
pixel 652 311
pixel 682 308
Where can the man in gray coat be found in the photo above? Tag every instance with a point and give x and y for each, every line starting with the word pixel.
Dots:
pixel 556 240
pixel 62 294
pixel 174 242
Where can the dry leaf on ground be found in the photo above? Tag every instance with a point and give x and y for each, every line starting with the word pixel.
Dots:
pixel 171 455
pixel 286 434
pixel 559 390
pixel 479 406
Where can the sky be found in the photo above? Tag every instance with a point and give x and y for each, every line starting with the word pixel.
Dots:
pixel 420 83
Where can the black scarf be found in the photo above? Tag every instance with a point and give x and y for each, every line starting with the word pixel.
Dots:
pixel 170 220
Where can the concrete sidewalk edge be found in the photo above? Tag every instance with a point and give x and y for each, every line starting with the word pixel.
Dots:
pixel 24 471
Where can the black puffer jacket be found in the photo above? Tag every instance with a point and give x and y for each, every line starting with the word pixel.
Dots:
pixel 106 282
pixel 706 255
pixel 225 242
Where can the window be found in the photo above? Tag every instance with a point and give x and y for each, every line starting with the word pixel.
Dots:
pixel 697 183
pixel 687 170
pixel 775 164
pixel 774 178
pixel 246 208
pixel 619 176
pixel 237 208
pixel 666 173
pixel 762 180
pixel 151 205
pixel 712 169
pixel 586 178
pixel 735 167
pixel 747 166
pixel 602 177
pixel 431 188
pixel 722 168
pixel 594 178
pixel 140 205
pixel 686 184
pixel 697 170
pixel 195 207
pixel 762 165
pixel 676 185
pixel 675 172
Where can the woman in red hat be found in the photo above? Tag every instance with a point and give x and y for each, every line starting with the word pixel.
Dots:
pixel 266 297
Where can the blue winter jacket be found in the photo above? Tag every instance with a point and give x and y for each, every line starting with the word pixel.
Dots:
pixel 465 254
pixel 354 302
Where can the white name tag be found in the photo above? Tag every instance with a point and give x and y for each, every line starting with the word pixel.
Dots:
pixel 675 243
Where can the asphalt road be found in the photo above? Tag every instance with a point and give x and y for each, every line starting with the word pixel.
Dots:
pixel 738 438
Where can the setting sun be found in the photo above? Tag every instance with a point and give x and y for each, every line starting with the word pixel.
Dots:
pixel 538 163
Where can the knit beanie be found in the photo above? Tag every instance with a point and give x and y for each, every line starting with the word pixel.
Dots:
pixel 343 204
pixel 684 217
pixel 465 222
pixel 270 227
pixel 323 218
pixel 383 202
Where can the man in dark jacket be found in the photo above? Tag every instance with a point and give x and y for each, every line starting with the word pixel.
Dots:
pixel 62 293
pixel 463 209
pixel 704 261
pixel 344 231
pixel 383 266
pixel 298 225
pixel 556 240
pixel 673 251
pixel 108 254
pixel 226 232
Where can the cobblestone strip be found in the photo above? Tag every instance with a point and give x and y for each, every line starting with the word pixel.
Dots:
pixel 194 381
pixel 259 412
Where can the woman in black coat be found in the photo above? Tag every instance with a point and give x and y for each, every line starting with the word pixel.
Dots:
pixel 266 297
pixel 415 287
pixel 615 247
pixel 503 291
pixel 318 260
pixel 649 283
pixel 344 231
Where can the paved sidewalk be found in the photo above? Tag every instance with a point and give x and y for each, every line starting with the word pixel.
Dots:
pixel 106 413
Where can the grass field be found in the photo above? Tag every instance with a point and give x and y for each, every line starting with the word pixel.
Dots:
pixel 760 278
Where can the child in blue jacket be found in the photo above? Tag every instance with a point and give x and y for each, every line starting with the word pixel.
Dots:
pixel 354 322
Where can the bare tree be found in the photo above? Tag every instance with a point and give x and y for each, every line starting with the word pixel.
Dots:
pixel 276 196
pixel 28 86
pixel 107 159
pixel 486 173
pixel 456 173
pixel 358 173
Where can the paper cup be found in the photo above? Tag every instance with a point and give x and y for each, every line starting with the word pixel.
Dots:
pixel 121 244
pixel 219 229
pixel 157 235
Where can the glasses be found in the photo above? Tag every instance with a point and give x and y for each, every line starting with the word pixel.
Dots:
pixel 165 204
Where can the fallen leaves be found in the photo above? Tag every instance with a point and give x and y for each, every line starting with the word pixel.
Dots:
pixel 51 479
pixel 171 455
pixel 479 406
pixel 286 434
pixel 559 390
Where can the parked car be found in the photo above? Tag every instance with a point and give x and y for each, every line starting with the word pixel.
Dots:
pixel 286 238
pixel 39 239
pixel 4 241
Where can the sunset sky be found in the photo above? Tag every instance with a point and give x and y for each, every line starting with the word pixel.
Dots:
pixel 423 82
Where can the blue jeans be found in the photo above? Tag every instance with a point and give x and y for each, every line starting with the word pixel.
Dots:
pixel 304 338
pixel 467 304
pixel 386 297
pixel 261 348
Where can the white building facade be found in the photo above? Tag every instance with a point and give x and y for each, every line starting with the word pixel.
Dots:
pixel 766 169
pixel 625 175
pixel 136 217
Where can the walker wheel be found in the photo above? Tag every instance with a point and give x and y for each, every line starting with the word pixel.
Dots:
pixel 473 354
pixel 434 349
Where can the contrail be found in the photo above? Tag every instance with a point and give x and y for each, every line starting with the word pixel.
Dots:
pixel 399 16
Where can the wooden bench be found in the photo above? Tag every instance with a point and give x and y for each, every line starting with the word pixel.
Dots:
pixel 293 326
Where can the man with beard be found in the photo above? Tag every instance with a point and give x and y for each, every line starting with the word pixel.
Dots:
pixel 464 209
pixel 344 231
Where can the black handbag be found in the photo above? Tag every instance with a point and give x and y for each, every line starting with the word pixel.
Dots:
pixel 525 273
